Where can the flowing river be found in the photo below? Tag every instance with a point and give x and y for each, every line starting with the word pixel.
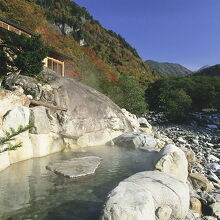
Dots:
pixel 28 191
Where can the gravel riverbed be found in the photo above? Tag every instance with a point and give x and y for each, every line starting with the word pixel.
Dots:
pixel 201 135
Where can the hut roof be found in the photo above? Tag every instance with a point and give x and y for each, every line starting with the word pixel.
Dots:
pixel 17 26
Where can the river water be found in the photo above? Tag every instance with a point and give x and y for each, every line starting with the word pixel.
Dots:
pixel 28 191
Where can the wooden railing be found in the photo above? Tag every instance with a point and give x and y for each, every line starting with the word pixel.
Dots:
pixel 55 65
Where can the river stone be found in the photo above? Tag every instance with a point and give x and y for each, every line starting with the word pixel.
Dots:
pixel 75 167
pixel 172 160
pixel 190 216
pixel 216 209
pixel 209 218
pixel 144 123
pixel 132 198
pixel 196 205
pixel 135 140
pixel 214 166
pixel 145 126
pixel 200 182
pixel 163 213
pixel 212 126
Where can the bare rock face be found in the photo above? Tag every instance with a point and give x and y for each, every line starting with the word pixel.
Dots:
pixel 75 167
pixel 91 117
pixel 9 100
pixel 4 160
pixel 132 119
pixel 39 117
pixel 18 116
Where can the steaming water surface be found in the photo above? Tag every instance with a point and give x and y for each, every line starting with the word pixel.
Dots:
pixel 28 191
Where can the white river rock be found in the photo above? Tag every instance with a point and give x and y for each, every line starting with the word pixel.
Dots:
pixel 172 160
pixel 136 140
pixel 139 196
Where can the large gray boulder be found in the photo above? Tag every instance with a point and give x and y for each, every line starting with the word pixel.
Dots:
pixel 129 201
pixel 137 140
pixel 91 117
pixel 145 195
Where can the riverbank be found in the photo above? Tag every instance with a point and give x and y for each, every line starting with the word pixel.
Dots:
pixel 202 137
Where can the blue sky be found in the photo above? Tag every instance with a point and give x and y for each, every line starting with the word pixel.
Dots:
pixel 179 31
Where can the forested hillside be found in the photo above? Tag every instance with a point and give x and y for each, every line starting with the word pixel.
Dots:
pixel 168 68
pixel 177 96
pixel 77 23
pixel 209 71
pixel 63 25
pixel 100 58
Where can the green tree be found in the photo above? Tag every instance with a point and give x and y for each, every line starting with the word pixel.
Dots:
pixel 175 103
pixel 129 95
pixel 10 136
pixel 178 95
pixel 22 54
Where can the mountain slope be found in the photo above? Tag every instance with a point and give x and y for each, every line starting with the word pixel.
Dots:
pixel 209 71
pixel 168 68
pixel 63 23
pixel 99 58
pixel 202 68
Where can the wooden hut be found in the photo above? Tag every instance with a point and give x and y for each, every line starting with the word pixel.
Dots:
pixel 55 60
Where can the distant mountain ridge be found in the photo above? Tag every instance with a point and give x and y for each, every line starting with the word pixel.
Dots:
pixel 209 71
pixel 168 68
pixel 202 68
